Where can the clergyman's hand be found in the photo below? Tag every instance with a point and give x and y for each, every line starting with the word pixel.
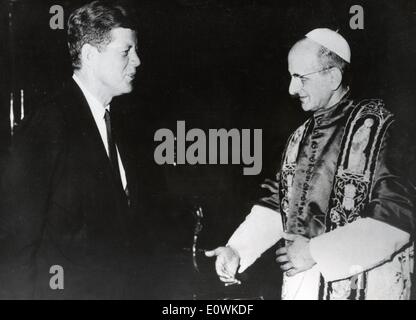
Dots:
pixel 295 257
pixel 226 264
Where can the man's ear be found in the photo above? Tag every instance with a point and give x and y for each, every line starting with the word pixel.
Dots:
pixel 88 52
pixel 336 78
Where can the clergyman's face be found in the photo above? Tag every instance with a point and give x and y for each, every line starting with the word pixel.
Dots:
pixel 116 63
pixel 313 90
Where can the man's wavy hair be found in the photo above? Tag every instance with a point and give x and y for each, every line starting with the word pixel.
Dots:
pixel 92 24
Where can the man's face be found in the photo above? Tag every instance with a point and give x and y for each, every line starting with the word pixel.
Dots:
pixel 314 89
pixel 115 64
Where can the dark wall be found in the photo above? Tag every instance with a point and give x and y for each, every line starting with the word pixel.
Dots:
pixel 216 64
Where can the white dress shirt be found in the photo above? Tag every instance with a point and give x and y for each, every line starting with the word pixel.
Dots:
pixel 98 112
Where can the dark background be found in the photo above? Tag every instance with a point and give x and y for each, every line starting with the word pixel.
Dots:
pixel 214 64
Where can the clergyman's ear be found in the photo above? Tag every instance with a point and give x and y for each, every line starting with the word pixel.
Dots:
pixel 336 78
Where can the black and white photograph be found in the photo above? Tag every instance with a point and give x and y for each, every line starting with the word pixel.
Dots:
pixel 207 150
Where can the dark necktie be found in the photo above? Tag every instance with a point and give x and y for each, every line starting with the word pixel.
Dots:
pixel 112 151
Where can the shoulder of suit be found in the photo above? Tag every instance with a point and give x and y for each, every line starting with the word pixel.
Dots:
pixel 60 103
pixel 51 114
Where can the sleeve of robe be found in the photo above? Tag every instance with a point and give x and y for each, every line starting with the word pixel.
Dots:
pixel 261 229
pixel 388 221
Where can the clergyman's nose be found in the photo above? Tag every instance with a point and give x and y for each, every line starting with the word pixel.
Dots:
pixel 294 86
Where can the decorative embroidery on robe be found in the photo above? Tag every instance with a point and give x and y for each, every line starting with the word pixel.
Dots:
pixel 351 191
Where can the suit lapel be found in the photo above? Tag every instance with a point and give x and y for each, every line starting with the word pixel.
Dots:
pixel 84 124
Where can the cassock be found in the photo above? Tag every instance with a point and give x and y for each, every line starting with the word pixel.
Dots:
pixel 340 186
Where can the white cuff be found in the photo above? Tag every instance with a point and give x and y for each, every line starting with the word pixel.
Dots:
pixel 356 247
pixel 261 229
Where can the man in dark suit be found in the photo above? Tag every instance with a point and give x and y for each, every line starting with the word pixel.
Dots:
pixel 70 188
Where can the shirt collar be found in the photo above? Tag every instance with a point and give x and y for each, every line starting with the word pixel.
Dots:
pixel 97 108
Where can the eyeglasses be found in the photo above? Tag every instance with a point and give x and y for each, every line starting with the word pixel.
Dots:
pixel 303 77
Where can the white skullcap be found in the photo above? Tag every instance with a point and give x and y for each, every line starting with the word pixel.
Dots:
pixel 332 41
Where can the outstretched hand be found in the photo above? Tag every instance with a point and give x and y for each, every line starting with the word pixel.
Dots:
pixel 226 264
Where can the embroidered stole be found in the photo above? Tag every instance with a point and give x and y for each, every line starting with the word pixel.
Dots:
pixel 353 181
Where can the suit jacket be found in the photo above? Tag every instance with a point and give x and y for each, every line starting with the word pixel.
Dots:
pixel 62 206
